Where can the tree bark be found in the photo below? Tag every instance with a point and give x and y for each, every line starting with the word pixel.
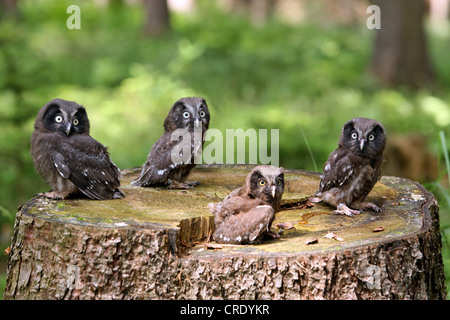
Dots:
pixel 400 55
pixel 153 244
pixel 158 17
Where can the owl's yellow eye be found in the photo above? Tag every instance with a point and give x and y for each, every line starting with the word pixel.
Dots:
pixel 186 115
pixel 75 122
pixel 354 135
pixel 58 119
pixel 262 182
pixel 371 137
pixel 278 182
pixel 202 114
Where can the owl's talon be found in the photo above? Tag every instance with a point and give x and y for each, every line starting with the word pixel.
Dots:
pixel 55 195
pixel 373 207
pixel 343 209
pixel 193 183
pixel 315 200
pixel 38 195
pixel 183 185
pixel 271 235
pixel 367 206
pixel 174 185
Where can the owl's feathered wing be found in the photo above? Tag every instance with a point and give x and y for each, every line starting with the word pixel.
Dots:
pixel 246 214
pixel 349 177
pixel 86 163
pixel 337 170
pixel 159 166
pixel 241 219
pixel 233 203
pixel 245 226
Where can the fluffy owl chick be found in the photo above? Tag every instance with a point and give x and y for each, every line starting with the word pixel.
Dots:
pixel 171 158
pixel 246 214
pixel 354 167
pixel 68 158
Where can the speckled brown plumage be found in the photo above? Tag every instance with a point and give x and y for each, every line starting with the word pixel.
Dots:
pixel 246 214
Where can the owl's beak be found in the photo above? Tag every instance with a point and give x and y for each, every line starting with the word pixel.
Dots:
pixel 272 189
pixel 361 144
pixel 67 128
pixel 197 123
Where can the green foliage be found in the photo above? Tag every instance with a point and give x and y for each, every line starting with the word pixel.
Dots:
pixel 2 284
pixel 308 78
pixel 442 193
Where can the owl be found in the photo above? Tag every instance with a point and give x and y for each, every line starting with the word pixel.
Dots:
pixel 246 214
pixel 168 163
pixel 68 158
pixel 353 168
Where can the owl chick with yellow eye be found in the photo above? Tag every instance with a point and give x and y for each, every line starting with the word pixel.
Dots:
pixel 246 214
pixel 352 170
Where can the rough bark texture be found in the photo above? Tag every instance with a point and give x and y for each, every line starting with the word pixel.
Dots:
pixel 70 250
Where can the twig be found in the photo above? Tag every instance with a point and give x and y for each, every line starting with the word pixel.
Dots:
pixel 307 146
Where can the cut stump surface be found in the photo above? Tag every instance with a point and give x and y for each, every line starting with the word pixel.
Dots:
pixel 153 244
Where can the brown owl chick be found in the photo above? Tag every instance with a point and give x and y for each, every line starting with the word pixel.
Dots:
pixel 246 214
pixel 66 156
pixel 168 163
pixel 353 168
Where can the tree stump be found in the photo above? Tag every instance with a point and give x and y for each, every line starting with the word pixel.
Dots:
pixel 153 244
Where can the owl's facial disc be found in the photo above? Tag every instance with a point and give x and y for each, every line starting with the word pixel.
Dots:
pixel 358 138
pixel 60 122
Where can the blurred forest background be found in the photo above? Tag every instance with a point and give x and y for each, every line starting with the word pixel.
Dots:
pixel 304 67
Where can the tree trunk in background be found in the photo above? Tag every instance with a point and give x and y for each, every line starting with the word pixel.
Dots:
pixel 259 11
pixel 400 55
pixel 158 18
pixel 8 8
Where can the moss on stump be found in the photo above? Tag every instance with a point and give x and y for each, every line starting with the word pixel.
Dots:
pixel 153 244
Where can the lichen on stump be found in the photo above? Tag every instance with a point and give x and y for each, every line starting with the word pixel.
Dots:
pixel 153 245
